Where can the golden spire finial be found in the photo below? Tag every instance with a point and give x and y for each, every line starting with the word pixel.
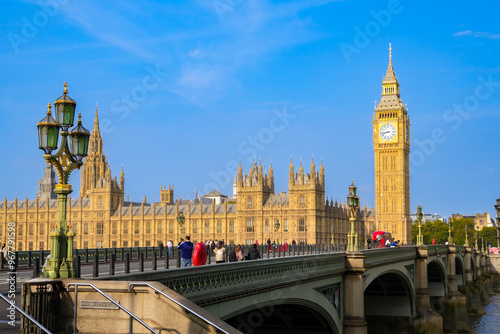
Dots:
pixel 390 51
pixel 49 106
pixel 79 118
pixel 65 87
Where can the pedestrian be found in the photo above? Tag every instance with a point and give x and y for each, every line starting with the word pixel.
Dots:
pixel 253 253
pixel 236 255
pixel 169 246
pixel 369 243
pixel 433 241
pixel 4 251
pixel 387 243
pixel 186 248
pixel 293 242
pixel 220 253
pixel 160 245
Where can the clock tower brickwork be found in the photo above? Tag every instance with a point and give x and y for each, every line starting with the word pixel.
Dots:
pixel 391 145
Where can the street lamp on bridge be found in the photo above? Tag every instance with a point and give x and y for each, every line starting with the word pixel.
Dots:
pixel 276 229
pixel 352 202
pixel 420 237
pixel 180 220
pixel 68 157
pixel 477 238
pixel 497 207
pixel 450 240
pixel 466 244
pixel 331 232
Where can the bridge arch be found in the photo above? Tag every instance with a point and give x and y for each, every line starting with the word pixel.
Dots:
pixel 436 279
pixel 289 315
pixel 389 303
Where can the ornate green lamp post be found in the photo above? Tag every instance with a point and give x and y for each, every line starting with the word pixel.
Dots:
pixel 450 240
pixel 420 237
pixel 276 229
pixel 180 220
pixel 352 202
pixel 68 158
pixel 497 207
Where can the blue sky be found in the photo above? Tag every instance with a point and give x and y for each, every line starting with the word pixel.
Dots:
pixel 187 88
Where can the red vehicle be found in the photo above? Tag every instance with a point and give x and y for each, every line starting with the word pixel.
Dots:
pixel 380 238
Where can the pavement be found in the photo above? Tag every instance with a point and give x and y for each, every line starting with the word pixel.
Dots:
pixel 25 274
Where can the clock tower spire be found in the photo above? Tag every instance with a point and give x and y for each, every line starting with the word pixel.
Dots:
pixel 391 145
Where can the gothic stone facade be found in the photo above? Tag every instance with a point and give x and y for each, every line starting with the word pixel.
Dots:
pixel 101 217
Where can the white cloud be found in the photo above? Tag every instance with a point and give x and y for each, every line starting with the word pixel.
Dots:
pixel 477 34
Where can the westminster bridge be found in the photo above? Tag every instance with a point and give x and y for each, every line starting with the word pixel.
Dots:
pixel 425 289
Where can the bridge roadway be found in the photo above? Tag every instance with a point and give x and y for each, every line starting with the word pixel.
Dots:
pixel 394 290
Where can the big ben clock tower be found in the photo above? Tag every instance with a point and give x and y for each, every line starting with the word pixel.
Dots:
pixel 391 144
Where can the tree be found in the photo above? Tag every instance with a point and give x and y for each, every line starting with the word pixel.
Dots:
pixel 490 236
pixel 458 228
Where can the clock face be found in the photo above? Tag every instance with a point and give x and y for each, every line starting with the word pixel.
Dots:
pixel 387 131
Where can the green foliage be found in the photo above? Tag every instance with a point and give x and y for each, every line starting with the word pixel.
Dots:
pixel 458 227
pixel 438 230
pixel 490 236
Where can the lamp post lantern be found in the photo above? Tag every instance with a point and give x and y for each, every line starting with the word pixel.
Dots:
pixel 276 229
pixel 352 202
pixel 180 220
pixel 497 208
pixel 420 237
pixel 68 157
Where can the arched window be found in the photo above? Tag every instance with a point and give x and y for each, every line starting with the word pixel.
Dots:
pixel 249 201
pixel 302 199
pixel 99 202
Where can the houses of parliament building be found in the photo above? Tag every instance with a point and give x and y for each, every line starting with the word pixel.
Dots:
pixel 102 217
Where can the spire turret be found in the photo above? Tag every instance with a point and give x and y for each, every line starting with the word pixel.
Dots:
pixel 322 173
pixel 96 120
pixel 390 84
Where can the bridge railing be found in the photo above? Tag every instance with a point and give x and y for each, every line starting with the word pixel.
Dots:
pixel 109 258
pixel 201 283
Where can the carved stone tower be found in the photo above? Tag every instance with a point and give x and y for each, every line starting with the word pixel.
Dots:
pixel 47 185
pixel 391 144
pixel 96 181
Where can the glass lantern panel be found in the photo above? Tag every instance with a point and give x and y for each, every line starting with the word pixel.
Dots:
pixel 60 113
pixel 42 137
pixel 69 114
pixel 84 145
pixel 52 137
